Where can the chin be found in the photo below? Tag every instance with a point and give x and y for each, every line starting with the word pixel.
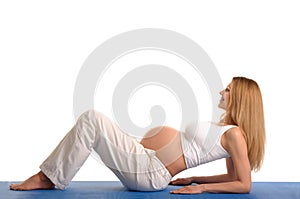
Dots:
pixel 221 107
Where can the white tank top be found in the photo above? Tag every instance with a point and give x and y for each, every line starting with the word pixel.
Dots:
pixel 201 143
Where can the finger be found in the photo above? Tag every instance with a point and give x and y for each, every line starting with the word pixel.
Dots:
pixel 175 181
pixel 171 182
pixel 185 190
pixel 179 191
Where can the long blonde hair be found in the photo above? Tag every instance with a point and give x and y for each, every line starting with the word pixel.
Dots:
pixel 245 109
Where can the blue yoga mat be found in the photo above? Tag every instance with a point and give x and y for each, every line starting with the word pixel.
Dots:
pixel 115 190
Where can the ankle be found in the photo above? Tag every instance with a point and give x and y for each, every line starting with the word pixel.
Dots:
pixel 43 177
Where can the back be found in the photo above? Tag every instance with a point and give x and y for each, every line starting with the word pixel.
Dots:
pixel 201 143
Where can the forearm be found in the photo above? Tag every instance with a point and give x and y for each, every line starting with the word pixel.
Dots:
pixel 227 187
pixel 223 187
pixel 212 179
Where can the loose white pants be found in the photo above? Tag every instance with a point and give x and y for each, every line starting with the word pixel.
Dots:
pixel 137 167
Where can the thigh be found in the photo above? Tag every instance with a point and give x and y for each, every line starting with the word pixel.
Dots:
pixel 137 167
pixel 116 148
pixel 122 153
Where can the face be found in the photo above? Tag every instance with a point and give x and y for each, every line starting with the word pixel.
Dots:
pixel 224 98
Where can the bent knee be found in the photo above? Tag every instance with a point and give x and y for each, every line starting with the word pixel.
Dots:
pixel 92 114
pixel 87 126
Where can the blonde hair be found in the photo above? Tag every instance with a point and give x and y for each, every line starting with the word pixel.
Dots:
pixel 245 109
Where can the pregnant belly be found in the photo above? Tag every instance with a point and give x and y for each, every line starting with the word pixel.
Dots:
pixel 167 144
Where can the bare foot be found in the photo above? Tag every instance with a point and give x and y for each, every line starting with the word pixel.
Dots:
pixel 37 181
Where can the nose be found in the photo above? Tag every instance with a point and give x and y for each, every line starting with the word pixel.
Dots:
pixel 221 92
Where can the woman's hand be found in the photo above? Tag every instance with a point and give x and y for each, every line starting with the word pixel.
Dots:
pixel 182 181
pixel 197 189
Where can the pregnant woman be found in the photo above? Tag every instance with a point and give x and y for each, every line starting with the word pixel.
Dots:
pixel 150 164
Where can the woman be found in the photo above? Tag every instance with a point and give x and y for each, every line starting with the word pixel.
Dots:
pixel 149 165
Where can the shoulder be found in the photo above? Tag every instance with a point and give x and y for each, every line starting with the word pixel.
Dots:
pixel 233 140
pixel 233 133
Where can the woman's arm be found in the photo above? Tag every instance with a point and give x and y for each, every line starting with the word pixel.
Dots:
pixel 229 176
pixel 238 177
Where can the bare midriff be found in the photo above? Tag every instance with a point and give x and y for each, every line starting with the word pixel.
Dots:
pixel 166 142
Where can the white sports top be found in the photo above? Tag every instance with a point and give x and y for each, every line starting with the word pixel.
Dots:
pixel 201 143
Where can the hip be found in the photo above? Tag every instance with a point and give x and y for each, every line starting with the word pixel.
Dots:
pixel 166 142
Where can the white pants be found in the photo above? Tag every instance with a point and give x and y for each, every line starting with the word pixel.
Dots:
pixel 137 167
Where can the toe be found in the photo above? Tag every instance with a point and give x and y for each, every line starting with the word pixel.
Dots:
pixel 14 187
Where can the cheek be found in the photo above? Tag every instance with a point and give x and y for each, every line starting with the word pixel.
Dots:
pixel 226 98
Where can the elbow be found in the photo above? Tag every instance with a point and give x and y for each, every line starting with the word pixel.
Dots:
pixel 246 188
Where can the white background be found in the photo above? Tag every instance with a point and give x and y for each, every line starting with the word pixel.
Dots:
pixel 43 46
